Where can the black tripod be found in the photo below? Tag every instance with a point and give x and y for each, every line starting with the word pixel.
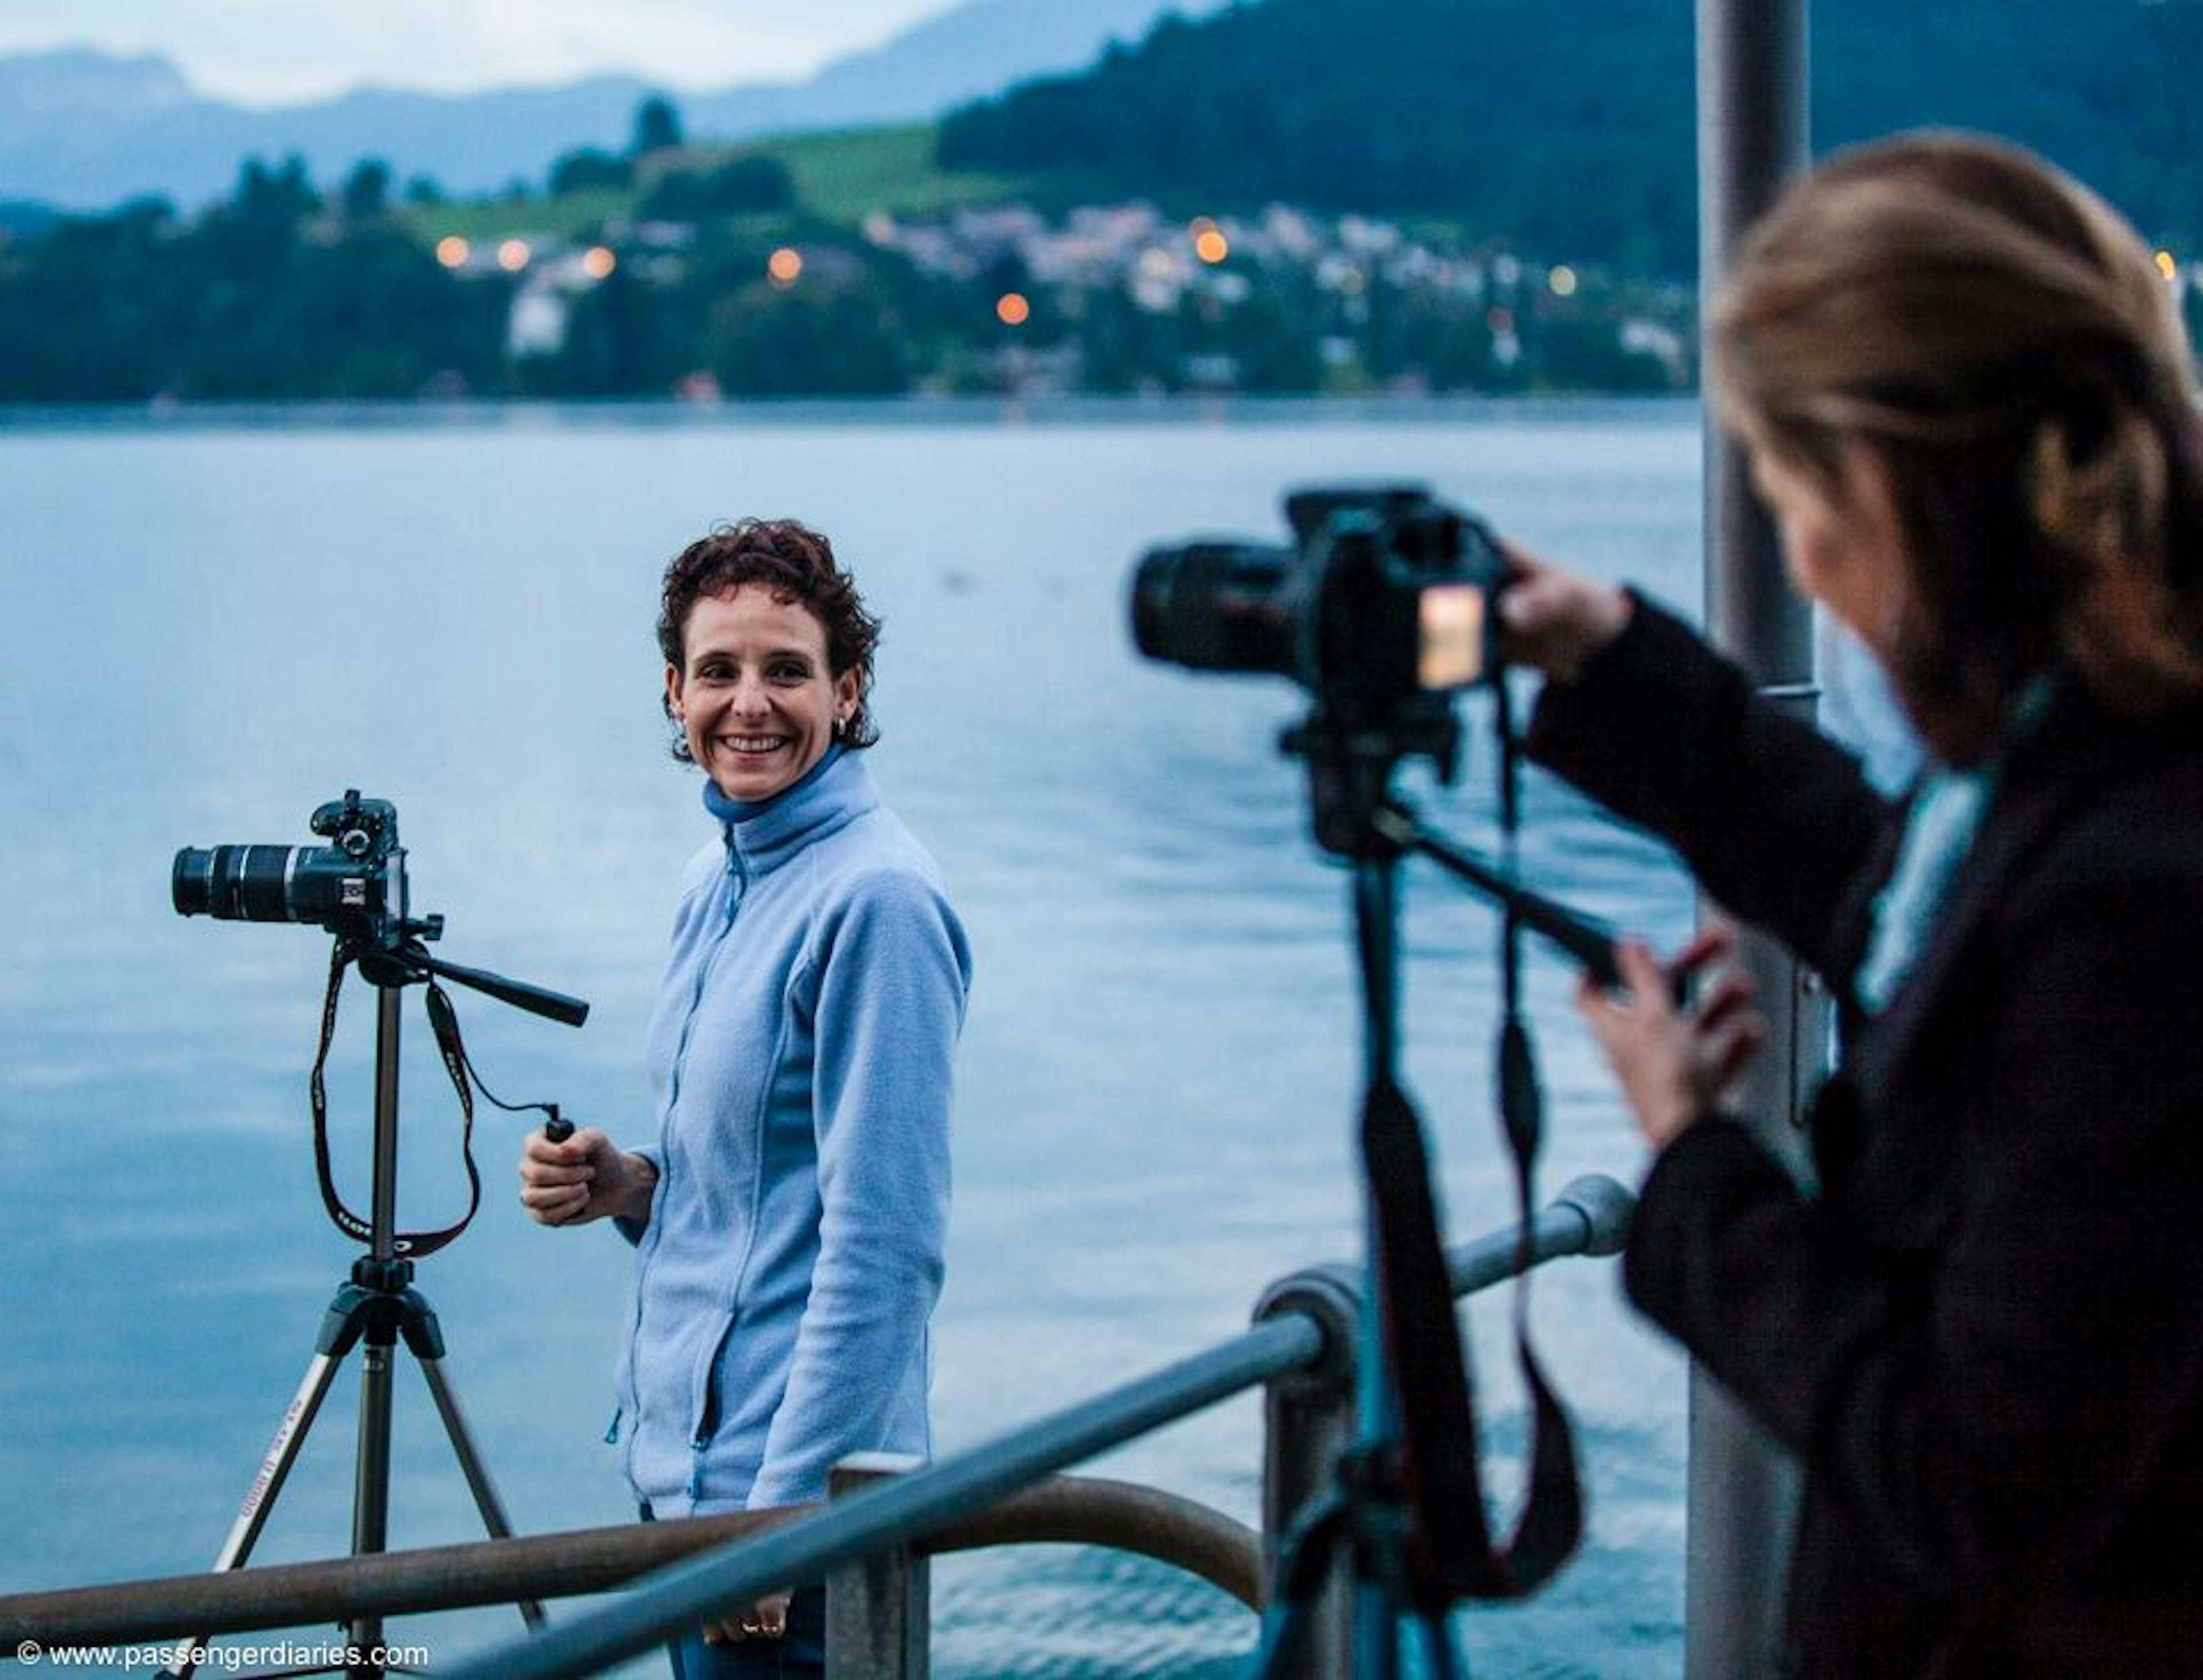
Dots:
pixel 378 1306
pixel 1406 1506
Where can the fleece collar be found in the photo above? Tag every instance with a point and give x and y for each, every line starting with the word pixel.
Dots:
pixel 763 834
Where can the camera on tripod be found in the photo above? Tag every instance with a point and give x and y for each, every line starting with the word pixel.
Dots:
pixel 1382 608
pixel 355 887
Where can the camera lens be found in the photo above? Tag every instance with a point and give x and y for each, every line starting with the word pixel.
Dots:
pixel 234 883
pixel 1213 606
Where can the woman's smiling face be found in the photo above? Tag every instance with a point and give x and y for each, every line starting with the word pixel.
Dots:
pixel 754 693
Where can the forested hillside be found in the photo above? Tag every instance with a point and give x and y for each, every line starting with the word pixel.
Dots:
pixel 1566 128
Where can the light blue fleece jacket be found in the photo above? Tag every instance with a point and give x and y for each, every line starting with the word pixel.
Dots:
pixel 801 1055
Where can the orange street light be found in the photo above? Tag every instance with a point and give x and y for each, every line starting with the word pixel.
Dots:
pixel 513 256
pixel 1211 246
pixel 452 251
pixel 1012 308
pixel 597 262
pixel 784 267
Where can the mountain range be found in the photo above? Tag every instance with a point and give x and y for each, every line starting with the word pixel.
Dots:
pixel 83 130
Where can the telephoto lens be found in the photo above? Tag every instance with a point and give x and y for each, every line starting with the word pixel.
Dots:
pixel 308 884
pixel 235 883
pixel 1215 606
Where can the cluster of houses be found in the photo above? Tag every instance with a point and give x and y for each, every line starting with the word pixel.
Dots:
pixel 1155 261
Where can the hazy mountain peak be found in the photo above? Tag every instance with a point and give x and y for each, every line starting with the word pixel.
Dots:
pixel 85 129
pixel 39 84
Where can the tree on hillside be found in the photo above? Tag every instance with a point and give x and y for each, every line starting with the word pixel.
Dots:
pixel 587 169
pixel 657 127
pixel 750 182
pixel 367 190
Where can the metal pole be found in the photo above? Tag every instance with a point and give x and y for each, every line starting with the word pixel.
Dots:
pixel 389 1018
pixel 1753 104
pixel 1376 898
pixel 370 1519
pixel 879 1609
pixel 1308 1422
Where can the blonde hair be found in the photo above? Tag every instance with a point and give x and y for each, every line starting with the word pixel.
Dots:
pixel 2007 349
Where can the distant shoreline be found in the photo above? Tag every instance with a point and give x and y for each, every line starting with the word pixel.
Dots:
pixel 946 411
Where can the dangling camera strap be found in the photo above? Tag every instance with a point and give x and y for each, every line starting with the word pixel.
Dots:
pixel 411 1244
pixel 1454 1553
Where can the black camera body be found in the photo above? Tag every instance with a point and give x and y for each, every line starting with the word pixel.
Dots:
pixel 1382 601
pixel 355 886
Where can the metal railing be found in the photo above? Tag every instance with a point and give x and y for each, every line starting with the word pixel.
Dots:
pixel 868 1543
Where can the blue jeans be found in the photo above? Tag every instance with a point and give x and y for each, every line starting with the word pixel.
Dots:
pixel 798 1655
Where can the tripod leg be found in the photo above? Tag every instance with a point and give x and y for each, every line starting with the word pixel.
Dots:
pixel 1442 1661
pixel 260 1498
pixel 471 1465
pixel 370 1513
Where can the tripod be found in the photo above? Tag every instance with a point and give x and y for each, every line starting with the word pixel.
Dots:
pixel 1406 1506
pixel 377 1306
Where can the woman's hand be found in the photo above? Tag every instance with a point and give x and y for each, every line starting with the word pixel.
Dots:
pixel 586 1177
pixel 1553 620
pixel 1675 1060
pixel 766 1620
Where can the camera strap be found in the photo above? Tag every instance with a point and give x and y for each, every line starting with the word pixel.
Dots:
pixel 410 1244
pixel 1453 1549
pixel 1453 1552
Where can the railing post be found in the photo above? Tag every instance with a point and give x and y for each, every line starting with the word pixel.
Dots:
pixel 1308 1419
pixel 1754 107
pixel 879 1613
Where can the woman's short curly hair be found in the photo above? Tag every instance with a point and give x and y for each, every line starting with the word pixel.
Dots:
pixel 797 565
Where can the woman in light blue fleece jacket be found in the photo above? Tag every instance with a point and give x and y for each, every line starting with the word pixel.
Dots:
pixel 790 1219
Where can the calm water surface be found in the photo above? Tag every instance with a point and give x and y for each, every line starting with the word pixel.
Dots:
pixel 211 629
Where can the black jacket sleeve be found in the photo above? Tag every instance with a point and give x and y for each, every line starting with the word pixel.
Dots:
pixel 1774 819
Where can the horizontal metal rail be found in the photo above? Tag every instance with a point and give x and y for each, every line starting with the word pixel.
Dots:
pixel 1081 1510
pixel 1590 1217
pixel 999 1492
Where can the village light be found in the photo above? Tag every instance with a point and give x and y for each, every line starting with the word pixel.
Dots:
pixel 1562 280
pixel 1012 308
pixel 597 262
pixel 513 256
pixel 452 251
pixel 784 267
pixel 1211 246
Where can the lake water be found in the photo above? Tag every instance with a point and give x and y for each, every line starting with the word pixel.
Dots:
pixel 213 626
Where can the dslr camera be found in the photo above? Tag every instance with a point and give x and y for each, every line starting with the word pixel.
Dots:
pixel 1380 607
pixel 355 886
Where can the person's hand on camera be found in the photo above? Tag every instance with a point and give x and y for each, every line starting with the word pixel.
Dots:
pixel 1675 1060
pixel 1553 620
pixel 584 1177
pixel 766 1620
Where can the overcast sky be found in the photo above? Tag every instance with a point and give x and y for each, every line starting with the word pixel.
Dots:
pixel 269 52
